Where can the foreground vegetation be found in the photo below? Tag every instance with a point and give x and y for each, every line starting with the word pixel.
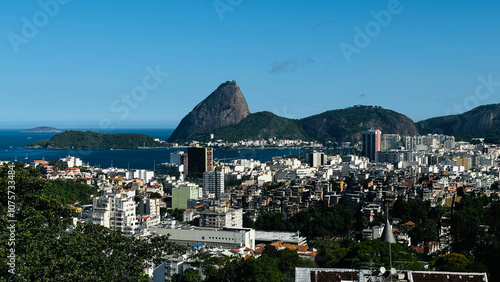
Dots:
pixel 474 244
pixel 46 248
pixel 272 265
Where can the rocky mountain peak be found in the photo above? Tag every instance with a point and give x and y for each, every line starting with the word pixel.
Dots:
pixel 225 106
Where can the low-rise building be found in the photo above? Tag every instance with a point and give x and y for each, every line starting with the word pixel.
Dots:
pixel 228 238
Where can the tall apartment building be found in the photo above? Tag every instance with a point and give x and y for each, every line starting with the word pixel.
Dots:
pixel 449 142
pixel 149 212
pixel 200 159
pixel 316 159
pixel 390 141
pixel 72 161
pixel 179 157
pixel 411 142
pixel 150 207
pixel 371 143
pixel 115 211
pixel 218 217
pixel 213 183
pixel 143 174
pixel 181 195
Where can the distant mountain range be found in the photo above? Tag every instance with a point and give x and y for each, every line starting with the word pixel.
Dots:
pixel 232 121
pixel 226 115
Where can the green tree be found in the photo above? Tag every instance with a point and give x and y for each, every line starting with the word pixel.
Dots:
pixel 314 222
pixel 155 195
pixel 425 217
pixel 351 254
pixel 465 223
pixel 177 214
pixel 426 231
pixel 452 262
pixel 191 275
pixel 70 191
pixel 46 249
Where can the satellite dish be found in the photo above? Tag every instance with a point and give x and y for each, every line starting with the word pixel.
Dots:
pixel 393 271
pixel 382 270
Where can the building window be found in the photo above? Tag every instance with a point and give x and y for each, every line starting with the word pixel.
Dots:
pixel 202 237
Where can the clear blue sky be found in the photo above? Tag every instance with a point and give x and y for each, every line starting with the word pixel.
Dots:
pixel 285 55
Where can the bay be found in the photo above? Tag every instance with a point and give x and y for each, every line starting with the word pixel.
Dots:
pixel 12 144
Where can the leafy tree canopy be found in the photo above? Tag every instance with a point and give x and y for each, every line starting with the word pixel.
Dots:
pixel 45 249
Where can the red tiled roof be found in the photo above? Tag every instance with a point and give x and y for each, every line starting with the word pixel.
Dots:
pixel 277 244
pixel 418 249
pixel 302 248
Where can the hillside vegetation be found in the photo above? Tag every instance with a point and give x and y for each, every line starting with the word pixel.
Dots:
pixel 94 140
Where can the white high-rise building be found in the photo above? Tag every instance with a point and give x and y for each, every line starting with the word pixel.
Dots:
pixel 213 183
pixel 219 217
pixel 116 212
pixel 101 211
pixel 72 161
pixel 316 159
pixel 150 212
pixel 150 207
pixel 390 141
pixel 143 174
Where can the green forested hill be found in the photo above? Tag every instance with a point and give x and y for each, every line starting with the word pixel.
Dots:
pixel 94 140
pixel 336 125
pixel 482 121
pixel 347 124
pixel 260 125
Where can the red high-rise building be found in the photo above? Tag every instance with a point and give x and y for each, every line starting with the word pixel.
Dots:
pixel 371 143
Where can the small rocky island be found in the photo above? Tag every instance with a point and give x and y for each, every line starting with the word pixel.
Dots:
pixel 42 129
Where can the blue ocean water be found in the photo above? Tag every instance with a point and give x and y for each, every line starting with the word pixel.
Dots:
pixel 12 144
